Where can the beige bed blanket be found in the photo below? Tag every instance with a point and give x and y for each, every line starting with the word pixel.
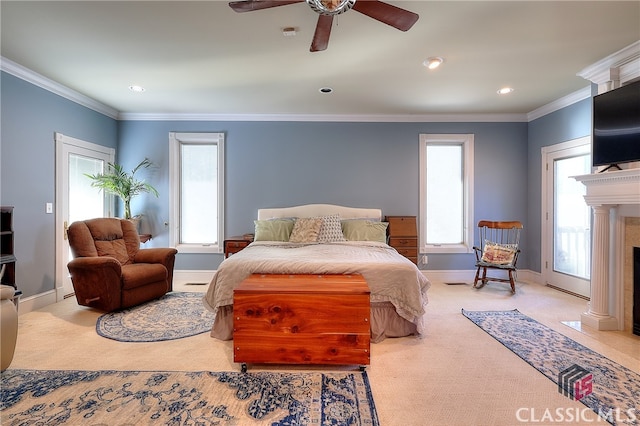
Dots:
pixel 391 277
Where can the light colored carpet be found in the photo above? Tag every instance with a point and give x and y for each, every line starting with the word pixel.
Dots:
pixel 69 397
pixel 456 375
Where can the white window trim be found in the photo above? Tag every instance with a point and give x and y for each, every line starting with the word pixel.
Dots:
pixel 175 140
pixel 469 226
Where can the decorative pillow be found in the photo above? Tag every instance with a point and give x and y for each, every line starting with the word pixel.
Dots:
pixel 273 230
pixel 499 254
pixel 364 230
pixel 306 230
pixel 331 229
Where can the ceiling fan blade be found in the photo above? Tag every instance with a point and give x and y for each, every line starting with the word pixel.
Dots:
pixel 249 5
pixel 323 31
pixel 387 13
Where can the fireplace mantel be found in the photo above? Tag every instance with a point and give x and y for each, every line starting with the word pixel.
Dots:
pixel 612 196
pixel 614 188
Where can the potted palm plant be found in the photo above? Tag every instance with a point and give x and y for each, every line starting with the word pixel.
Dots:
pixel 123 184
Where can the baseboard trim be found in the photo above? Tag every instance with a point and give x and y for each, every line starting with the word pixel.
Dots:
pixel 468 276
pixel 197 276
pixel 32 303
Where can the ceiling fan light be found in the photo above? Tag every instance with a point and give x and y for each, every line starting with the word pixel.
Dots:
pixel 433 62
pixel 331 7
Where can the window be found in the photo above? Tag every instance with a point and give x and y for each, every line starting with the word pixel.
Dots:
pixel 196 192
pixel 446 193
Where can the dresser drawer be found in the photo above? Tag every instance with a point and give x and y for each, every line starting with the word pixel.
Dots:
pixel 402 226
pixel 403 242
pixel 407 252
pixel 237 244
pixel 234 245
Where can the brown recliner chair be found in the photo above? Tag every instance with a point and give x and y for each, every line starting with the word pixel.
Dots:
pixel 110 271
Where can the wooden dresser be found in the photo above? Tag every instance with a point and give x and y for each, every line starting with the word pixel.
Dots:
pixel 235 244
pixel 403 236
pixel 301 319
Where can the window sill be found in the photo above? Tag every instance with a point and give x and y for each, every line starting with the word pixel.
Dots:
pixel 446 249
pixel 199 248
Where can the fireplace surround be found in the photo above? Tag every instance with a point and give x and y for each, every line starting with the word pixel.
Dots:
pixel 614 196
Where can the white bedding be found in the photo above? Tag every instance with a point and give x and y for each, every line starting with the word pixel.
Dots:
pixel 391 277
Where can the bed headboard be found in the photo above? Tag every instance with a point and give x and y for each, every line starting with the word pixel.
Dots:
pixel 312 210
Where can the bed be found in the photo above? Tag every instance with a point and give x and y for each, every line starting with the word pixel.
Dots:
pixel 327 239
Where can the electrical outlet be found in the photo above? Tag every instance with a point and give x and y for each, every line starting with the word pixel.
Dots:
pixel 425 259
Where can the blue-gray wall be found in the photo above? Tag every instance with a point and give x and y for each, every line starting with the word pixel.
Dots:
pixel 30 116
pixel 270 164
pixel 563 125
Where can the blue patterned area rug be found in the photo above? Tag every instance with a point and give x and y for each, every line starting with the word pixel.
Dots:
pixel 173 316
pixel 202 398
pixel 609 389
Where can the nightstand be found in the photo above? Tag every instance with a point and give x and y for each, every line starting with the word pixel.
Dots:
pixel 235 244
pixel 403 236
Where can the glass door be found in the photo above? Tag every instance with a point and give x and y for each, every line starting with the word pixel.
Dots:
pixel 568 221
pixel 76 199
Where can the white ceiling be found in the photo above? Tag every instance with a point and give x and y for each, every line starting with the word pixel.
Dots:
pixel 203 58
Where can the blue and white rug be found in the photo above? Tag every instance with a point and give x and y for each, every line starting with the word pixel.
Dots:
pixel 174 316
pixel 57 397
pixel 609 389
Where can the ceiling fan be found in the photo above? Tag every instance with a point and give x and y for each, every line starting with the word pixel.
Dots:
pixel 378 10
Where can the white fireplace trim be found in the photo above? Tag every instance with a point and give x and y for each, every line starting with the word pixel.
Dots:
pixel 619 191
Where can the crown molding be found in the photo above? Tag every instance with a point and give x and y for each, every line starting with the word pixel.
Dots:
pixel 36 79
pixel 43 82
pixel 428 118
pixel 626 62
pixel 558 104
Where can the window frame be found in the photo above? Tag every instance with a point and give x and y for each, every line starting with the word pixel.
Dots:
pixel 176 140
pixel 467 142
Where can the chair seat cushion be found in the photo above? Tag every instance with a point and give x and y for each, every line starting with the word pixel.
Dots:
pixel 139 274
pixel 482 264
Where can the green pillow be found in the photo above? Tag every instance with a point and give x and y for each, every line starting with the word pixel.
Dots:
pixel 364 230
pixel 272 230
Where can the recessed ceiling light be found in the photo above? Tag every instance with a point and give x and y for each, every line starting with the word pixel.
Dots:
pixel 433 62
pixel 326 90
pixel 136 88
pixel 505 91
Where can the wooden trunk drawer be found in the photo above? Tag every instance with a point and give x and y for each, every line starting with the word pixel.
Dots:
pixel 302 319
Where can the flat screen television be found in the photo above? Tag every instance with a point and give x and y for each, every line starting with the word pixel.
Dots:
pixel 616 126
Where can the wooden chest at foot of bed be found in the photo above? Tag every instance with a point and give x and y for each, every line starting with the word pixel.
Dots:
pixel 302 319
